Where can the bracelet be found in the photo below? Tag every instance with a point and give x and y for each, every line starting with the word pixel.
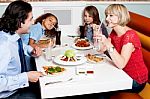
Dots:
pixel 111 49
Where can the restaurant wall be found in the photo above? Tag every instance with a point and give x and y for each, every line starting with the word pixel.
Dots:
pixel 70 13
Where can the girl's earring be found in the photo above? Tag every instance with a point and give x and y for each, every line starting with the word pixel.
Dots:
pixel 43 20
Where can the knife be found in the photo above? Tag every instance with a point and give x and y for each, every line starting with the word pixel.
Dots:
pixel 54 82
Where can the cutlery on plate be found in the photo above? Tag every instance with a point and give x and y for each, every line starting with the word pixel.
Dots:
pixel 54 82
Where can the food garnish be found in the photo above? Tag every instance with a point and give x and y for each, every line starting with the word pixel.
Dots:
pixel 53 69
pixel 69 56
pixel 69 53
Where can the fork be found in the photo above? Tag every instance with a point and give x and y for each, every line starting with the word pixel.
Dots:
pixel 54 82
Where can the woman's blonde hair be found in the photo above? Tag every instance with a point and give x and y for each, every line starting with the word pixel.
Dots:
pixel 120 11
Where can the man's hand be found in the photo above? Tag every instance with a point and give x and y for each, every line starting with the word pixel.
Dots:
pixel 33 76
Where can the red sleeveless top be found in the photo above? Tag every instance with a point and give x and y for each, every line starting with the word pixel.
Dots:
pixel 135 67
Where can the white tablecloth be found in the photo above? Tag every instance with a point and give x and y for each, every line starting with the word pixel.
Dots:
pixel 106 77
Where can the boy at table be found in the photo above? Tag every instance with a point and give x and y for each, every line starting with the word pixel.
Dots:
pixel 14 78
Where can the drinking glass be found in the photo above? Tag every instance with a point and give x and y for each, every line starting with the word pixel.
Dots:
pixel 96 43
pixel 96 37
pixel 48 50
pixel 48 53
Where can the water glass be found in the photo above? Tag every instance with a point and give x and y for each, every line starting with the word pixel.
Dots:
pixel 48 53
pixel 96 43
pixel 48 50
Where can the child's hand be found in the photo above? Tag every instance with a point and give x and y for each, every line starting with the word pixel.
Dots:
pixel 76 39
pixel 51 42
pixel 95 27
pixel 37 51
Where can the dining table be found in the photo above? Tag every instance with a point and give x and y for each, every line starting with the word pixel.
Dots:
pixel 104 78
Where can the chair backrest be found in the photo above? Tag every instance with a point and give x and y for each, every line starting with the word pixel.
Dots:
pixel 146 56
pixel 139 23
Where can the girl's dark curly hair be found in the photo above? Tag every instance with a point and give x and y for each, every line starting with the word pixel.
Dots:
pixel 44 16
pixel 15 14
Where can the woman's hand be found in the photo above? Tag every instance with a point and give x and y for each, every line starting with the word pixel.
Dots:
pixel 102 48
pixel 33 76
pixel 106 41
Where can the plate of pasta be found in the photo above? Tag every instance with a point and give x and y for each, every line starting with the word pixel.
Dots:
pixel 82 44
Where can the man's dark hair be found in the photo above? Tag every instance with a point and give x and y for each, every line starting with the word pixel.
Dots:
pixel 15 14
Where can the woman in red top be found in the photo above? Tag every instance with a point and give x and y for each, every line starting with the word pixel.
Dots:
pixel 124 46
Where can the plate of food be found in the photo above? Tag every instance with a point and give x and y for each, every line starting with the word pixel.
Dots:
pixel 53 70
pixel 94 59
pixel 47 41
pixel 70 58
pixel 82 44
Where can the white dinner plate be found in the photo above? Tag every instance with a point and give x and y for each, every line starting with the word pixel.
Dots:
pixel 82 48
pixel 64 76
pixel 80 60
